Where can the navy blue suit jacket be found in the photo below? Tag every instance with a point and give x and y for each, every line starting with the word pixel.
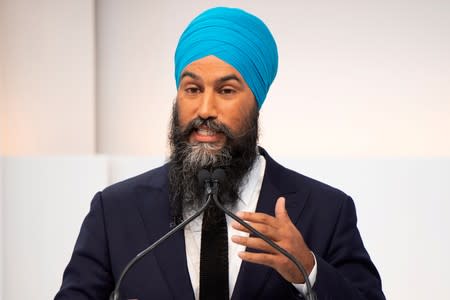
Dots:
pixel 128 216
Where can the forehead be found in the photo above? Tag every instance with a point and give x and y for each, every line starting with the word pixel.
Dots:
pixel 211 67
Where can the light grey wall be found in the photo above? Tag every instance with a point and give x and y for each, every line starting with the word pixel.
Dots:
pixel 47 89
pixel 2 82
pixel 356 78
pixel 45 201
pixel 2 218
pixel 134 87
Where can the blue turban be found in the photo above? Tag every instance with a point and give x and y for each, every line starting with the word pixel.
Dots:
pixel 236 37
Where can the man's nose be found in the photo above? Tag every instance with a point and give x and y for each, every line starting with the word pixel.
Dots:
pixel 208 106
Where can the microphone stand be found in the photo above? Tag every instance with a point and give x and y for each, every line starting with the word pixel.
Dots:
pixel 208 194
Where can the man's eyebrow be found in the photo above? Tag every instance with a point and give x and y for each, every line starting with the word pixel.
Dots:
pixel 220 80
pixel 229 77
pixel 189 74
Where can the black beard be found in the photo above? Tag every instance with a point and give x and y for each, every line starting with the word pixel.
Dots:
pixel 236 157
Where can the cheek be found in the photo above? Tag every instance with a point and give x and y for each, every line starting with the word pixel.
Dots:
pixel 185 114
pixel 183 119
pixel 238 117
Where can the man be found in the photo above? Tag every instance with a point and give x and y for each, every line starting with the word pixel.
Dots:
pixel 225 62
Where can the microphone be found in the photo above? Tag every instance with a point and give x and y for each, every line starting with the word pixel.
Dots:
pixel 218 177
pixel 203 177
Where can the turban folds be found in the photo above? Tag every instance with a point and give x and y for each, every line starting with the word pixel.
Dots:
pixel 236 37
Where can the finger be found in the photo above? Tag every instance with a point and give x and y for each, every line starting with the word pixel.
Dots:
pixel 280 210
pixel 254 243
pixel 258 258
pixel 282 265
pixel 268 231
pixel 256 217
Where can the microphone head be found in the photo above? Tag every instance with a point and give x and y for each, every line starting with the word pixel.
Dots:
pixel 203 176
pixel 219 175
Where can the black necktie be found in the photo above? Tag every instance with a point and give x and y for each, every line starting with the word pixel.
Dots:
pixel 214 256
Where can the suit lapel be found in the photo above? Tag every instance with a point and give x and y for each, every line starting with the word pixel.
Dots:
pixel 253 277
pixel 153 205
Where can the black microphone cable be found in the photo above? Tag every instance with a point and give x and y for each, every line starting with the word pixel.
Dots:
pixel 218 176
pixel 203 177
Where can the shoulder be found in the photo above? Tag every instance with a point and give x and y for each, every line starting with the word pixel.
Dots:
pixel 153 179
pixel 318 193
pixel 317 188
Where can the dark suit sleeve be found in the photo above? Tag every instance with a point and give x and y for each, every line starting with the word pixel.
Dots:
pixel 347 271
pixel 88 274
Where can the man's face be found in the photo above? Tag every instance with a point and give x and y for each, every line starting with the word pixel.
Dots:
pixel 212 89
pixel 214 125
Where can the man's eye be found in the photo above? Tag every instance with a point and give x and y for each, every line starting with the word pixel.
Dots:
pixel 192 90
pixel 227 91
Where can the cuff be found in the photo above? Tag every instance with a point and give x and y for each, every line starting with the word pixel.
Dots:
pixel 301 287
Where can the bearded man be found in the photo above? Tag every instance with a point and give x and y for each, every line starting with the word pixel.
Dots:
pixel 225 62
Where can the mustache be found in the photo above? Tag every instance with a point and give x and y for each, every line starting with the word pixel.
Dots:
pixel 211 124
pixel 216 126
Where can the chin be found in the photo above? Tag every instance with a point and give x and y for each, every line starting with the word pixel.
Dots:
pixel 203 155
pixel 208 147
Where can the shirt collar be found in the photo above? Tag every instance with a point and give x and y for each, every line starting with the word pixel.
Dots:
pixel 252 181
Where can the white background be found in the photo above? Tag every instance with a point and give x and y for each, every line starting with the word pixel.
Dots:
pixel 361 101
pixel 356 78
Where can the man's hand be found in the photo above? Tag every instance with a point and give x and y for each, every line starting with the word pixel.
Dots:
pixel 282 231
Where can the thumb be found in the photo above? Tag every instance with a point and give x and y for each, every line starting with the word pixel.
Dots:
pixel 280 209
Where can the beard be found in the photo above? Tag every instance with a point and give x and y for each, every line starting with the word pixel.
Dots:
pixel 235 157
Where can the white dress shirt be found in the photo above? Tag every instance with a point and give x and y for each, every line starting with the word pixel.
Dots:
pixel 248 199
